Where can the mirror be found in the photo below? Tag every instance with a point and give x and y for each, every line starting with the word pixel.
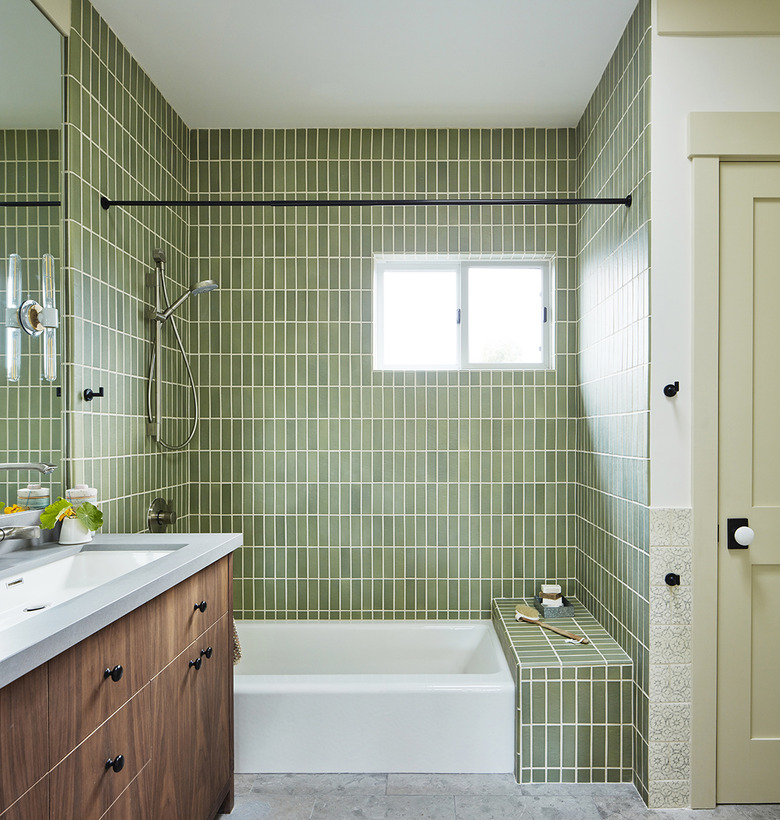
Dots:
pixel 31 258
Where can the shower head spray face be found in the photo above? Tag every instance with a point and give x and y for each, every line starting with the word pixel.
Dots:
pixel 199 287
pixel 204 287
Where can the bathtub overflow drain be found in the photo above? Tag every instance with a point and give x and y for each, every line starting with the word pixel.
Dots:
pixel 35 607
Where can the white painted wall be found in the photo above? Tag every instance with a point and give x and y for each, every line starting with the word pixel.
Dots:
pixel 688 74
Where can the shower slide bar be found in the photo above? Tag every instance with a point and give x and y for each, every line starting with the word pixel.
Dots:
pixel 107 203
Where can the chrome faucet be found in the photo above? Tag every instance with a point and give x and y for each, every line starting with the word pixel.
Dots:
pixel 41 467
pixel 31 533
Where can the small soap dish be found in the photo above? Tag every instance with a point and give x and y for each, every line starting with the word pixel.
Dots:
pixel 565 611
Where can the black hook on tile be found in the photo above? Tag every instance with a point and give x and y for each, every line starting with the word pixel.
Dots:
pixel 671 390
pixel 90 394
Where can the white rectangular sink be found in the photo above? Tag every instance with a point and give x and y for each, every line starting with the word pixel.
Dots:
pixel 39 589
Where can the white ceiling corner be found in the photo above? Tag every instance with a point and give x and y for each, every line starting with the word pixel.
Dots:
pixel 372 63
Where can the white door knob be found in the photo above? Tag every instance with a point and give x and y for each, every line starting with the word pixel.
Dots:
pixel 744 536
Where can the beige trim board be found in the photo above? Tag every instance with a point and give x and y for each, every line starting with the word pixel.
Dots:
pixel 735 136
pixel 712 138
pixel 58 12
pixel 718 18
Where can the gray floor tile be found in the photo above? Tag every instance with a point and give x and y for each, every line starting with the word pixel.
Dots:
pixel 243 783
pixel 631 807
pixel 386 807
pixel 626 790
pixel 527 808
pixel 320 784
pixel 477 784
pixel 251 806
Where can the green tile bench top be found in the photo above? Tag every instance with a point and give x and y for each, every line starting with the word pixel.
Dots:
pixel 533 646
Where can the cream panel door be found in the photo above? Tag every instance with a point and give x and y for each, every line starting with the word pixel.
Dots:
pixel 748 753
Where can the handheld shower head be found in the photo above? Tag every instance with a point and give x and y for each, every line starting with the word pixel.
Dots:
pixel 159 258
pixel 199 287
pixel 203 287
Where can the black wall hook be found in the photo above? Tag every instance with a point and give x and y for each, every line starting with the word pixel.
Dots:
pixel 672 578
pixel 671 390
pixel 90 394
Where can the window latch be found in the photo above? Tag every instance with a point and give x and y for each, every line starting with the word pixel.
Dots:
pixel 457 321
pixel 544 315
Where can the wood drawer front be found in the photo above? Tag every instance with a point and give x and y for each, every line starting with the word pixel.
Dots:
pixel 80 694
pixel 24 734
pixel 191 719
pixel 34 805
pixel 135 801
pixel 178 622
pixel 212 736
pixel 82 786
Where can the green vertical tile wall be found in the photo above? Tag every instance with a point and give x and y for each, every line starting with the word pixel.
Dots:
pixel 367 494
pixel 124 141
pixel 613 298
pixel 364 494
pixel 30 410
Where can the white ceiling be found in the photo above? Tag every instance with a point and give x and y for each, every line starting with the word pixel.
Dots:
pixel 30 68
pixel 372 63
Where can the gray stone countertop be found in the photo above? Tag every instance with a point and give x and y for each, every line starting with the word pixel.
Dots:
pixel 45 634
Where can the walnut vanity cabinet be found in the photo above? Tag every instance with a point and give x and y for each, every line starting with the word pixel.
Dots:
pixel 24 746
pixel 193 751
pixel 140 716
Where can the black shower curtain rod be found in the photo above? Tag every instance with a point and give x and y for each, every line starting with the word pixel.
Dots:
pixel 107 203
pixel 44 203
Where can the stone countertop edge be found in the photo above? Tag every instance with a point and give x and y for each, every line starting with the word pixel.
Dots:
pixel 26 645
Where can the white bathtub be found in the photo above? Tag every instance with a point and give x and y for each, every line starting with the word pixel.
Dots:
pixel 373 696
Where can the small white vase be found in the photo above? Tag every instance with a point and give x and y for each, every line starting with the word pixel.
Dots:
pixel 74 532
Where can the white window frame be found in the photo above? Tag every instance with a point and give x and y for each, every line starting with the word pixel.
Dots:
pixel 460 265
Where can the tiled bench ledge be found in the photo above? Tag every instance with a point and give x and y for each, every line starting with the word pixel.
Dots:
pixel 574 701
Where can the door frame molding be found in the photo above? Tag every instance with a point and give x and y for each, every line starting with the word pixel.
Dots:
pixel 713 137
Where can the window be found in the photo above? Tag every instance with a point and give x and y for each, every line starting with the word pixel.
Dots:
pixel 462 314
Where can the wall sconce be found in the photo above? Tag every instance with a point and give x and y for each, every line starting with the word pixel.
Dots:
pixel 32 318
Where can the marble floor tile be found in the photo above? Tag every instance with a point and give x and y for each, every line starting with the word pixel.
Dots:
pixel 251 806
pixel 387 807
pixel 494 807
pixel 299 784
pixel 475 784
pixel 243 783
pixel 626 790
pixel 447 797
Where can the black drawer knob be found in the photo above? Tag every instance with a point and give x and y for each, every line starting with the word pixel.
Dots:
pixel 115 674
pixel 208 652
pixel 117 764
pixel 197 663
pixel 201 606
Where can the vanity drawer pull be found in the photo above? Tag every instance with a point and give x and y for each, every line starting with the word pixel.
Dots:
pixel 201 606
pixel 117 764
pixel 197 663
pixel 208 652
pixel 115 674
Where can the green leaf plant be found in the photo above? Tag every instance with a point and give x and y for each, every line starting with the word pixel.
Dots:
pixel 89 515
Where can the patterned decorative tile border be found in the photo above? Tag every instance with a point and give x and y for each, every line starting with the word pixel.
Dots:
pixel 669 733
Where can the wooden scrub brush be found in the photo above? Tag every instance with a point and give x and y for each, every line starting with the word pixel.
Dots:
pixel 531 616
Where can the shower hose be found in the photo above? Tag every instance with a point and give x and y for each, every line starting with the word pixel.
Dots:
pixel 150 383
